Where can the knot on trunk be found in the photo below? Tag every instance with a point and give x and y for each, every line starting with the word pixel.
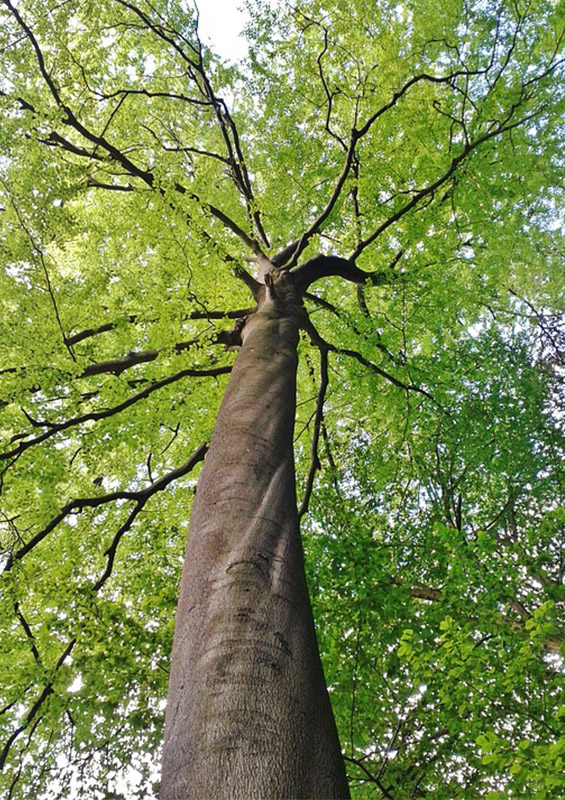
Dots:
pixel 232 339
pixel 279 297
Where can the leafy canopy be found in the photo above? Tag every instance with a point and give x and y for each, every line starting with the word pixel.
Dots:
pixel 140 177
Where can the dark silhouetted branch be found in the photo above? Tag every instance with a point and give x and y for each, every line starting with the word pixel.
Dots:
pixel 322 266
pixel 47 690
pixel 140 497
pixel 318 419
pixel 104 413
pixel 429 190
pixel 75 338
pixel 100 142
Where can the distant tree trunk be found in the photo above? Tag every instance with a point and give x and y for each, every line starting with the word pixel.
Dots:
pixel 248 713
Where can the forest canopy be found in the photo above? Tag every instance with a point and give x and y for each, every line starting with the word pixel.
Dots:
pixel 406 160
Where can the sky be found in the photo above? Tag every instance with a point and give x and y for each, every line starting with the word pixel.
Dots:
pixel 220 23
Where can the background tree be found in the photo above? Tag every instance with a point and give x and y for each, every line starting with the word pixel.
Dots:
pixel 140 179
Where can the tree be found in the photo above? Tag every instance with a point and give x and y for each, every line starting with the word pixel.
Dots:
pixel 376 191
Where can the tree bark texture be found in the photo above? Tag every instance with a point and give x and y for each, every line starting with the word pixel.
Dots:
pixel 248 713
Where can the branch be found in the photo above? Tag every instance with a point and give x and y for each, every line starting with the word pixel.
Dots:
pixel 28 632
pixel 498 129
pixel 545 329
pixel 140 497
pixel 39 251
pixel 185 149
pixel 377 370
pixel 252 284
pixel 329 95
pixel 108 412
pixel 146 93
pixel 47 690
pixel 302 243
pixel 92 183
pixel 117 155
pixel 135 318
pixel 355 135
pixel 322 266
pixel 343 317
pixel 223 117
pixel 317 340
pixel 116 366
pixel 373 778
pixel 318 419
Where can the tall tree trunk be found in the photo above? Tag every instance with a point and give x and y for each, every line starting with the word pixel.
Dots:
pixel 248 713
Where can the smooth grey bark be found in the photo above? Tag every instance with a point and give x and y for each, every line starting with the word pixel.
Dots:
pixel 248 713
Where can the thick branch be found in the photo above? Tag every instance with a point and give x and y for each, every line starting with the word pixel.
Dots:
pixel 322 266
pixel 116 366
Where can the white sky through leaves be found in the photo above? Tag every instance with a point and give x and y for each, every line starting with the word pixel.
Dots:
pixel 220 25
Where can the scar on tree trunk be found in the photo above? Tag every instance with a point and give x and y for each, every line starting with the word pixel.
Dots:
pixel 248 712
